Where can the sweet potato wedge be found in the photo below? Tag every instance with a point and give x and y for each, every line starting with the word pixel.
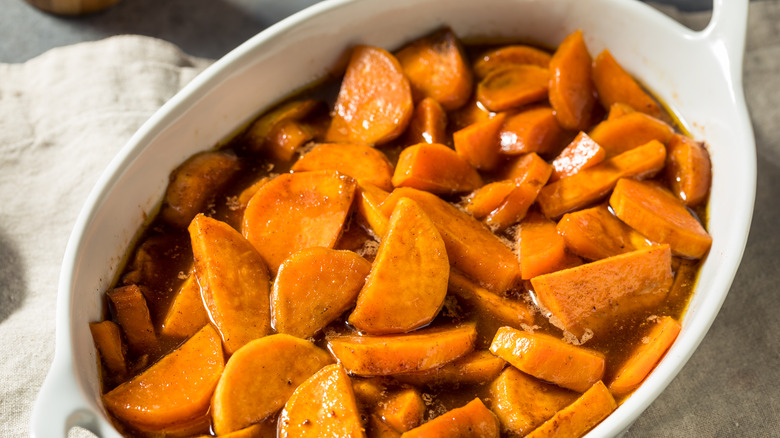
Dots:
pixel 549 358
pixel 108 341
pixel 359 161
pixel 510 56
pixel 429 123
pixel 541 249
pixel 615 85
pixel 688 170
pixel 533 130
pixel 474 368
pixel 233 281
pixel 580 416
pixel 435 168
pixel 402 410
pixel 369 199
pixel 489 197
pixel 505 310
pixel 532 174
pixel 659 215
pixel 619 110
pixel 285 139
pixel 513 86
pixel 133 316
pixel 595 233
pixel 260 377
pixel 580 154
pixel 187 314
pixel 374 89
pixel 408 280
pixel 295 211
pixel 392 354
pixel 258 132
pixel 315 286
pixel 479 144
pixel 473 420
pixel 600 294
pixel 572 94
pixel 175 389
pixel 376 428
pixel 323 405
pixel 629 131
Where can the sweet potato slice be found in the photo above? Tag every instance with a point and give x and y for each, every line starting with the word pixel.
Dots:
pixel 598 295
pixel 645 356
pixel 258 132
pixel 187 314
pixel 505 310
pixel 532 130
pixel 580 416
pixel 471 247
pixel 266 429
pixel 595 233
pixel 659 215
pixel 108 341
pixel 437 68
pixel 402 410
pixel 392 354
pixel 286 138
pixel 510 56
pixel 323 405
pixel 374 104
pixel 473 420
pixel 295 211
pixel 359 161
pixel 688 170
pixel 435 168
pixel 591 185
pixel 629 131
pixel 580 154
pixel 488 197
pixel 369 202
pixel 471 112
pixel 376 428
pixel 618 109
pixel 549 358
pixel 532 174
pixel 522 402
pixel 314 287
pixel 513 86
pixel 474 368
pixel 615 85
pixel 572 94
pixel 176 388
pixel 233 282
pixel 260 377
pixel 541 248
pixel 408 279
pixel 429 123
pixel 133 316
pixel 479 144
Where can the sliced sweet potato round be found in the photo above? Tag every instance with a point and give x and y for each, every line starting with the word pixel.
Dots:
pixel 359 161
pixel 513 87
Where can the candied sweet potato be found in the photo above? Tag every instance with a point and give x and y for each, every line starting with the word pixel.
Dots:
pixel 510 56
pixel 474 368
pixel 487 198
pixel 572 93
pixel 505 310
pixel 532 130
pixel 513 86
pixel 402 410
pixel 580 416
pixel 629 131
pixel 595 233
pixel 133 316
pixel 435 168
pixel 532 174
pixel 369 202
pixel 258 132
pixel 473 420
pixel 541 249
pixel 688 170
pixel 286 138
pixel 429 123
pixel 615 85
pixel 479 144
pixel 108 341
pixel 187 314
pixel 580 154
pixel 359 161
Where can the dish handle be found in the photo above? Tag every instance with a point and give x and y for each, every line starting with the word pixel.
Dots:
pixel 726 33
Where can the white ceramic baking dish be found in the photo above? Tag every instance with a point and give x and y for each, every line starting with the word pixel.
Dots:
pixel 698 74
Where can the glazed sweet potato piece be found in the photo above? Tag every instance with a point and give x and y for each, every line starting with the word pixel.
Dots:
pixel 435 168
pixel 392 354
pixel 369 199
pixel 688 170
pixel 522 402
pixel 259 131
pixel 629 131
pixel 286 138
pixel 429 123
pixel 656 213
pixel 593 184
pixel 108 341
pixel 657 340
pixel 374 89
pixel 488 197
pixel 471 247
pixel 376 428
pixel 479 144
pixel 402 410
pixel 580 154
pixel 196 426
pixel 260 377
pixel 408 280
pixel 471 112
pixel 473 420
pixel 572 94
pixel 549 358
pixel 194 183
pixel 580 416
pixel 541 248
pixel 315 286
pixel 618 109
pixel 359 161
pixel 615 85
pixel 296 211
pixel 323 405
pixel 133 316
pixel 474 368
pixel 505 310
pixel 533 130
pixel 437 68
pixel 513 86
pixel 265 429
pixel 510 56
pixel 532 174
pixel 595 233
pixel 177 388
pixel 598 295
pixel 233 282
pixel 187 314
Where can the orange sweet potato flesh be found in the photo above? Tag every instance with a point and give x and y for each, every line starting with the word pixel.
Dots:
pixel 656 213
pixel 615 85
pixel 473 420
pixel 258 132
pixel 393 354
pixel 402 410
pixel 108 341
pixel 580 154
pixel 595 233
pixel 629 131
pixel 474 368
pixel 479 144
pixel 471 247
pixel 645 356
pixel 133 316
pixel 437 68
pixel 572 94
pixel 323 405
pixel 471 112
pixel 429 123
pixel 496 307
pixel 522 402
pixel 359 161
pixel 296 211
pixel 488 197
pixel 591 185
pixel 369 199
pixel 580 416
pixel 435 168
pixel 376 428
pixel 513 86
pixel 548 358
pixel 177 388
pixel 542 249
pixel 619 109
pixel 286 138
pixel 266 429
pixel 314 287
pixel 530 174
pixel 532 130
pixel 510 56
pixel 233 282
pixel 688 170
pixel 408 280
pixel 187 314
pixel 374 89
pixel 598 295
pixel 260 377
